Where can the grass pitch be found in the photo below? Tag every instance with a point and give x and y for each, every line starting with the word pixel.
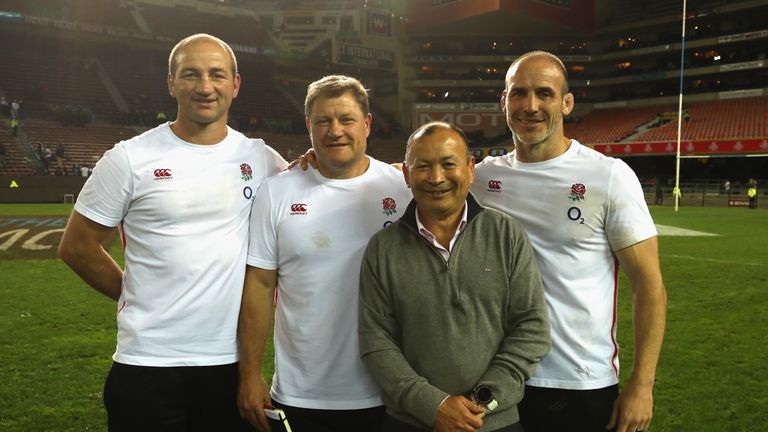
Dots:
pixel 58 334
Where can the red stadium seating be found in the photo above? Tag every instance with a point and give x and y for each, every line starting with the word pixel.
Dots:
pixel 83 145
pixel 609 125
pixel 15 161
pixel 742 118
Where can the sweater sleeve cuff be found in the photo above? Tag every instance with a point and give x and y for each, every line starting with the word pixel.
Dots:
pixel 425 410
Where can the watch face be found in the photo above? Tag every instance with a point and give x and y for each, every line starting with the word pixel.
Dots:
pixel 483 394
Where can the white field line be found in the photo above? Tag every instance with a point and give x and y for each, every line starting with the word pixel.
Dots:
pixel 693 258
pixel 666 230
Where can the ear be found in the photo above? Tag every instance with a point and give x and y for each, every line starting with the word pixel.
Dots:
pixel 471 169
pixel 503 101
pixel 406 175
pixel 306 122
pixel 568 103
pixel 368 122
pixel 236 83
pixel 169 79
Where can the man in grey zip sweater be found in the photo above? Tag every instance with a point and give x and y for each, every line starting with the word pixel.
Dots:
pixel 452 314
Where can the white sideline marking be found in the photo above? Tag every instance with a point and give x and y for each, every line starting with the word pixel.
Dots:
pixel 711 260
pixel 666 230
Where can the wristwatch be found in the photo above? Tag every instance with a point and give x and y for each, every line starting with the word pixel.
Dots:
pixel 482 395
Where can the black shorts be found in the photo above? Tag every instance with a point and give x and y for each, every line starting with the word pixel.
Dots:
pixel 550 409
pixel 173 399
pixel 321 420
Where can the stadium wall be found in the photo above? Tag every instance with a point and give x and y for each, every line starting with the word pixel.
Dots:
pixel 39 189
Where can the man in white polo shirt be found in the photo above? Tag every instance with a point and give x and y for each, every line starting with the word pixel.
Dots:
pixel 585 215
pixel 181 194
pixel 308 232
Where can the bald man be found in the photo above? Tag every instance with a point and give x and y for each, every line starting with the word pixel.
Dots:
pixel 181 195
pixel 586 217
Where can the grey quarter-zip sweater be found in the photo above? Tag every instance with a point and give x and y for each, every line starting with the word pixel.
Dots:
pixel 431 328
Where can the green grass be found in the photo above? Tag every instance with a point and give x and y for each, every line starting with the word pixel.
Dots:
pixel 711 376
pixel 57 335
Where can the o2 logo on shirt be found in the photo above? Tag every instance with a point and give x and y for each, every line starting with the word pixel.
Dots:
pixel 574 214
pixel 247 192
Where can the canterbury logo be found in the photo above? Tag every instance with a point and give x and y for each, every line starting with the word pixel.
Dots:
pixel 162 172
pixel 494 184
pixel 298 208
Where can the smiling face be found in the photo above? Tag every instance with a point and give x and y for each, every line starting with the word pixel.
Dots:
pixel 439 172
pixel 339 129
pixel 534 103
pixel 203 83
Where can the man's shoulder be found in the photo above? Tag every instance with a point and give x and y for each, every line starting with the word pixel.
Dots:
pixel 490 216
pixel 147 139
pixel 385 168
pixel 491 162
pixel 585 153
pixel 393 232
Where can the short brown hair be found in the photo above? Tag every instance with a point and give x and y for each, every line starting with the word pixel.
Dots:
pixel 194 38
pixel 334 86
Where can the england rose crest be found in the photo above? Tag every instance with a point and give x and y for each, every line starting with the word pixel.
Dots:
pixel 389 206
pixel 246 171
pixel 577 192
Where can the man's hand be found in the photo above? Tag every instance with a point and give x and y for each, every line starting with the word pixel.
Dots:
pixel 458 413
pixel 305 160
pixel 633 409
pixel 252 398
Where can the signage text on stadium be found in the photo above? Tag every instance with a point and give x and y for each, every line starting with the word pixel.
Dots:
pixel 363 56
pixel 465 120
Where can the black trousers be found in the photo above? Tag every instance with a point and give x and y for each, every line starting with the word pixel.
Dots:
pixel 320 420
pixel 549 409
pixel 173 399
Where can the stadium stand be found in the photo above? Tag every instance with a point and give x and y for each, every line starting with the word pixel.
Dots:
pixel 15 161
pixel 744 118
pixel 83 146
pixel 101 65
pixel 110 13
pixel 609 125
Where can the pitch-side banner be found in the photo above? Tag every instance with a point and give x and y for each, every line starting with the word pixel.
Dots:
pixel 686 147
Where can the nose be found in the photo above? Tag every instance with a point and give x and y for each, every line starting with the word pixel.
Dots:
pixel 531 103
pixel 204 85
pixel 334 129
pixel 436 175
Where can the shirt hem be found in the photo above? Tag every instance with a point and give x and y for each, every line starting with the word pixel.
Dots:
pixel 572 385
pixel 327 404
pixel 172 362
